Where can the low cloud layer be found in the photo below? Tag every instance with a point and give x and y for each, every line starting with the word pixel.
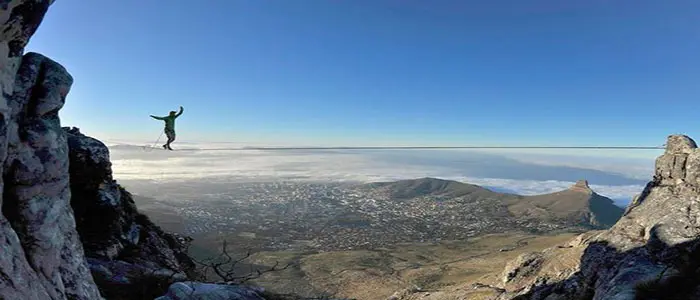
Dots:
pixel 619 180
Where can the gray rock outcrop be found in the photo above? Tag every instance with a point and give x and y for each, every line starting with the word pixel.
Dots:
pixel 656 243
pixel 41 253
pixel 64 219
pixel 129 256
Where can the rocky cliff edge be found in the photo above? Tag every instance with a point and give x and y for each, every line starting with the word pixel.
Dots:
pixel 652 252
pixel 42 257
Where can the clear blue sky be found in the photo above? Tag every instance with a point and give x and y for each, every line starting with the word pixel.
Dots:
pixel 367 72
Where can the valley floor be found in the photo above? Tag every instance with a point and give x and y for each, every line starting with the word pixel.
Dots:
pixel 446 269
pixel 348 242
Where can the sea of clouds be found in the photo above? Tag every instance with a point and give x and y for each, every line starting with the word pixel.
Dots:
pixel 526 174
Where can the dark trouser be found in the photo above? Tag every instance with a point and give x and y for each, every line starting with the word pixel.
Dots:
pixel 171 137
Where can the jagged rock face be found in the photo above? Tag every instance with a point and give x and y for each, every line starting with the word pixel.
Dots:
pixel 46 190
pixel 36 192
pixel 657 240
pixel 524 266
pixel 125 249
pixel 669 209
pixel 105 221
pixel 19 19
pixel 551 265
pixel 41 254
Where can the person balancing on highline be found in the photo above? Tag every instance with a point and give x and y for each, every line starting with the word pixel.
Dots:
pixel 169 126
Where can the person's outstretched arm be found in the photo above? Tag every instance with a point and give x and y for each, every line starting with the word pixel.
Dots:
pixel 157 118
pixel 181 110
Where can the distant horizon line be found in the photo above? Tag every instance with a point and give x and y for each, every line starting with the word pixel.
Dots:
pixel 282 148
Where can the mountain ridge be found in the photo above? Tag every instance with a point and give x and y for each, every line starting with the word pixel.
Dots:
pixel 577 205
pixel 582 204
pixel 410 188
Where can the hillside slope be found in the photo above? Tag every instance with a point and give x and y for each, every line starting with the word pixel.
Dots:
pixel 412 188
pixel 578 206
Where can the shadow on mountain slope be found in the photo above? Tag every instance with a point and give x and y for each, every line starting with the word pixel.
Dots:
pixel 633 274
pixel 652 252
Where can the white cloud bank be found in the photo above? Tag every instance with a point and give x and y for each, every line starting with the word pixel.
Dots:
pixel 618 180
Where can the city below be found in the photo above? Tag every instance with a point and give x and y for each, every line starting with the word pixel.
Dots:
pixel 343 216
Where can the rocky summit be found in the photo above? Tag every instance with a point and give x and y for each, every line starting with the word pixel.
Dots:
pixel 652 252
pixel 582 186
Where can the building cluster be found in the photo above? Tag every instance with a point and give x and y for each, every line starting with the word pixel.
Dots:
pixel 328 217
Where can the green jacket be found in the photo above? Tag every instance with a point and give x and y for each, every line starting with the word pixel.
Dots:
pixel 169 119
